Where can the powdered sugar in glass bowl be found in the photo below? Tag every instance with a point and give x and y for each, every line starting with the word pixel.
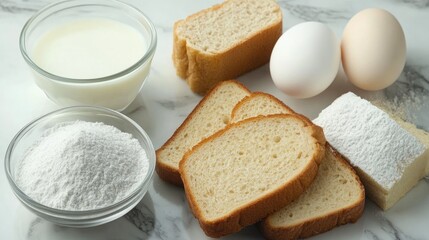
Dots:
pixel 78 218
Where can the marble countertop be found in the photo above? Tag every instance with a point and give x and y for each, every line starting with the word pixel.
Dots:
pixel 165 101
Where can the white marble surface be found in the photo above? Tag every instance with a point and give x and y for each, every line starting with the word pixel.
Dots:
pixel 166 100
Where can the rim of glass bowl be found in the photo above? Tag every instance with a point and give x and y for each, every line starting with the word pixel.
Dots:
pixel 73 214
pixel 82 3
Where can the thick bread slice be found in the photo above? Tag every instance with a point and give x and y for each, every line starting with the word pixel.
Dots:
pixel 225 41
pixel 334 198
pixel 387 200
pixel 209 116
pixel 250 169
pixel 420 134
pixel 388 159
pixel 258 104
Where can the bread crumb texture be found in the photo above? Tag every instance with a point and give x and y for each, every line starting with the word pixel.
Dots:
pixel 210 117
pixel 246 162
pixel 336 187
pixel 258 104
pixel 225 26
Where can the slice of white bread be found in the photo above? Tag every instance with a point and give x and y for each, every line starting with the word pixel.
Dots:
pixel 334 198
pixel 209 116
pixel 258 103
pixel 420 134
pixel 225 41
pixel 250 169
pixel 388 159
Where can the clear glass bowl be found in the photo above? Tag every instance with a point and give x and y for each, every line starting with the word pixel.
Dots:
pixel 31 132
pixel 116 91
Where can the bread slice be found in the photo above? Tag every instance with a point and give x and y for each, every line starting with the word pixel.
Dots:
pixel 258 104
pixel 250 169
pixel 334 198
pixel 209 116
pixel 225 41
pixel 388 159
pixel 420 134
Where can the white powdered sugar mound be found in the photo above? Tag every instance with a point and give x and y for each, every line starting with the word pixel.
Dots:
pixel 82 166
pixel 369 138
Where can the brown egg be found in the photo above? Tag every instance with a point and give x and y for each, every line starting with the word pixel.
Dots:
pixel 373 49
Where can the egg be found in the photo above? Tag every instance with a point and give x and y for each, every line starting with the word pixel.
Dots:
pixel 305 60
pixel 373 49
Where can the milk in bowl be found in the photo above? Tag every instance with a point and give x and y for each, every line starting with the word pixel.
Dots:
pixel 91 54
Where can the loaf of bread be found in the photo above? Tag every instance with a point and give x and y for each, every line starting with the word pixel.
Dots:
pixel 388 159
pixel 334 198
pixel 209 116
pixel 225 41
pixel 250 169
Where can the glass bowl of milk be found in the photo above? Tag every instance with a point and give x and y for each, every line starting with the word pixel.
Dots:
pixel 89 52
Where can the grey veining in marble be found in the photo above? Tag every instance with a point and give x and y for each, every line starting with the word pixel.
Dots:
pixel 165 100
pixel 411 92
pixel 18 6
pixel 143 218
pixel 371 235
pixel 311 13
pixel 178 102
pixel 34 224
pixel 393 231
pixel 416 3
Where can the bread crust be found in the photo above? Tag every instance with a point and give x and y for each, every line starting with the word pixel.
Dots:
pixel 255 94
pixel 165 171
pixel 280 103
pixel 252 212
pixel 314 226
pixel 202 70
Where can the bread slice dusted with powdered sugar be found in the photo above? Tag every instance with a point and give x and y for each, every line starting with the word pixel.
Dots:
pixel 388 159
pixel 334 198
pixel 419 133
pixel 209 116
pixel 249 170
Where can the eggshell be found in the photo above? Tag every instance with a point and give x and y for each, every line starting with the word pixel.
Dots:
pixel 305 60
pixel 373 49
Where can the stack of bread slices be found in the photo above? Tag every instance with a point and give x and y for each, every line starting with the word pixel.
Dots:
pixel 245 158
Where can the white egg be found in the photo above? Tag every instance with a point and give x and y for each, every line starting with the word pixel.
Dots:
pixel 373 49
pixel 305 60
